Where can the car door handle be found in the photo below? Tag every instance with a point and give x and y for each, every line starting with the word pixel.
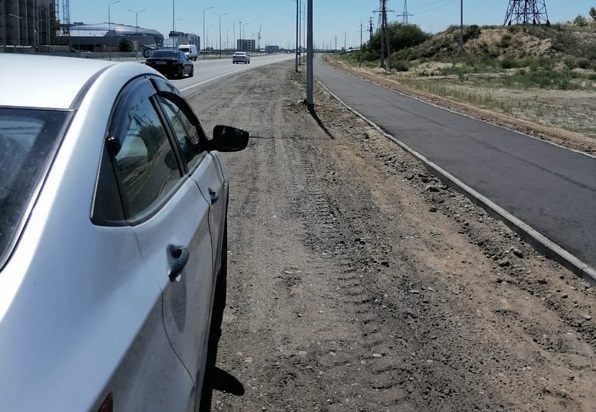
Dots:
pixel 177 260
pixel 213 195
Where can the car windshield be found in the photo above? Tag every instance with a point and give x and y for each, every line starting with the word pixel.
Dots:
pixel 27 141
pixel 165 53
pixel 239 53
pixel 184 49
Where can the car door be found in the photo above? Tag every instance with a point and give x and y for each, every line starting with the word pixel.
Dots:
pixel 202 167
pixel 170 218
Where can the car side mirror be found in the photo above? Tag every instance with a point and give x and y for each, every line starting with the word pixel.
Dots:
pixel 228 139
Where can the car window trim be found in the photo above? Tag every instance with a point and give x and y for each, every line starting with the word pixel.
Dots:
pixel 170 128
pixel 128 91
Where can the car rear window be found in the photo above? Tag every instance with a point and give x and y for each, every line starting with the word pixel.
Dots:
pixel 165 53
pixel 28 139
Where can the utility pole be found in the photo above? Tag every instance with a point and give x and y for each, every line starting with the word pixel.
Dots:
pixel 461 30
pixel 370 29
pixel 309 57
pixel 297 33
pixel 360 57
pixel 384 37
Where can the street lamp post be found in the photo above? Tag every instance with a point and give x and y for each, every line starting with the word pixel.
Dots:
pixel 207 39
pixel 17 37
pixel 110 26
pixel 225 14
pixel 137 29
pixel 243 31
pixel 204 10
pixel 137 19
pixel 297 33
pixel 234 30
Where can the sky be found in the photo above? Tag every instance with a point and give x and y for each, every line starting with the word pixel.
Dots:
pixel 336 22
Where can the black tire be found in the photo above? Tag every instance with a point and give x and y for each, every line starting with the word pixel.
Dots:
pixel 219 305
pixel 192 71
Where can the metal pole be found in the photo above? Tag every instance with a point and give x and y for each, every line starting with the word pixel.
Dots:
pixel 234 31
pixel 4 26
pixel 110 27
pixel 225 14
pixel 309 56
pixel 461 32
pixel 204 39
pixel 297 32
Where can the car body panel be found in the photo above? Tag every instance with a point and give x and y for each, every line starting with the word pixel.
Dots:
pixel 114 297
pixel 86 310
pixel 186 300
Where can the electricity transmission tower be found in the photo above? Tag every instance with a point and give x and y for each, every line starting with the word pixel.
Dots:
pixel 405 14
pixel 526 11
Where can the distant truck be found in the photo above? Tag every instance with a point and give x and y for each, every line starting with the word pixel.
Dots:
pixel 190 50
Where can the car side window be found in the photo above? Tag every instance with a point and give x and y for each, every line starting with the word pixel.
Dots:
pixel 144 161
pixel 186 134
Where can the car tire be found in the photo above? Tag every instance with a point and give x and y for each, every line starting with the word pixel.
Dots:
pixel 219 305
pixel 192 71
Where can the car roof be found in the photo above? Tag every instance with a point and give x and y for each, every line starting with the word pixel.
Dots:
pixel 56 82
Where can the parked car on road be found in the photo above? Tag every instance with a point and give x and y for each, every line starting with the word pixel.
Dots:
pixel 241 57
pixel 171 63
pixel 113 238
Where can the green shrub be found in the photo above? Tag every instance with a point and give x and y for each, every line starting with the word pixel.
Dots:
pixel 400 65
pixel 509 63
pixel 583 63
pixel 124 45
pixel 570 62
pixel 580 21
pixel 505 41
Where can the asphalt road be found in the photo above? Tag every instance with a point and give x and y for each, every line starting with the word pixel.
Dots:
pixel 550 188
pixel 210 70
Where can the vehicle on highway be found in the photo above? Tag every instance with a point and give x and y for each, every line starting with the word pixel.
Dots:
pixel 189 50
pixel 113 238
pixel 241 57
pixel 171 63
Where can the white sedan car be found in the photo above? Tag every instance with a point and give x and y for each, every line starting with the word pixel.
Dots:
pixel 241 57
pixel 112 238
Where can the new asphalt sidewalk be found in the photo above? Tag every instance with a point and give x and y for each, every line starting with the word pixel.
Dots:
pixel 544 192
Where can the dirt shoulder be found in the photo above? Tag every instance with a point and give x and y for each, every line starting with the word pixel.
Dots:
pixel 358 282
pixel 560 136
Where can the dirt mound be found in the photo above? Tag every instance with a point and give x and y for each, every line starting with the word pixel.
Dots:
pixel 502 42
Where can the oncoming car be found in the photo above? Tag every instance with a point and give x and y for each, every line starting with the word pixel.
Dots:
pixel 241 57
pixel 171 63
pixel 113 238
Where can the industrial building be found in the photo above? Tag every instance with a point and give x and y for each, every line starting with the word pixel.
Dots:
pixel 44 25
pixel 245 45
pixel 104 36
pixel 28 23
